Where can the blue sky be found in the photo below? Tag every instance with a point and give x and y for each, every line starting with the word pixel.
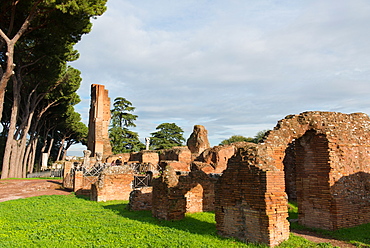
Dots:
pixel 236 67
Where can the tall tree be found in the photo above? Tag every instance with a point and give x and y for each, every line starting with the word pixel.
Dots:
pixel 38 36
pixel 19 19
pixel 71 131
pixel 122 139
pixel 167 136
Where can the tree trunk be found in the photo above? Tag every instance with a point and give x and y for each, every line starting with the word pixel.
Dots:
pixel 31 156
pixel 7 170
pixel 50 146
pixel 61 148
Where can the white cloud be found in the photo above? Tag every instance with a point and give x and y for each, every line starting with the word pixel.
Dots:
pixel 236 67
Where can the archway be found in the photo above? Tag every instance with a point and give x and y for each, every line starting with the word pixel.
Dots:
pixel 307 167
pixel 328 146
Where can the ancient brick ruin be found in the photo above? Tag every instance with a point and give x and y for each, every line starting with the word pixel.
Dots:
pixel 99 118
pixel 319 159
pixel 198 141
pixel 114 183
pixel 331 152
pixel 174 195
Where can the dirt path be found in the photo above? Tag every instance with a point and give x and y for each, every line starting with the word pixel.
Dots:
pixel 23 188
pixel 317 238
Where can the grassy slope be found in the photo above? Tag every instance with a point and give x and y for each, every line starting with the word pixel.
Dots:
pixel 68 221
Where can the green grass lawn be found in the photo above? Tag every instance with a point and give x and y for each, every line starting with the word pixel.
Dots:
pixel 359 235
pixel 69 221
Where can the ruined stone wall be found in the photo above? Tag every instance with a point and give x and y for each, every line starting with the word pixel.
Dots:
pixel 175 195
pixel 250 201
pixel 179 158
pixel 67 177
pixel 332 159
pixel 114 183
pixel 150 157
pixel 198 141
pixel 333 166
pixel 99 118
pixel 82 184
pixel 141 199
pixel 214 160
pixel 181 153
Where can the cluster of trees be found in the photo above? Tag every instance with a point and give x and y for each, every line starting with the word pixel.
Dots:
pixel 238 138
pixel 37 87
pixel 168 135
pixel 124 140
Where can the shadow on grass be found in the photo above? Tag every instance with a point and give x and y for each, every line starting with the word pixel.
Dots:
pixel 358 235
pixel 187 224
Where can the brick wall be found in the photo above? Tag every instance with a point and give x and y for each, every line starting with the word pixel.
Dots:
pixel 174 195
pixel 250 201
pixel 114 183
pixel 99 118
pixel 327 159
pixel 141 199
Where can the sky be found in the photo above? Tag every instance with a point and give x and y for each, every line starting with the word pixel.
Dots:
pixel 236 67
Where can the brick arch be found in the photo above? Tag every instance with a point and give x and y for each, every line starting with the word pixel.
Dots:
pixel 256 209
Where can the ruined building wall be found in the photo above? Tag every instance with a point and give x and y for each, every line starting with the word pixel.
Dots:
pixel 114 183
pixel 335 149
pixel 141 199
pixel 332 154
pixel 198 141
pixel 174 195
pixel 99 118
pixel 250 201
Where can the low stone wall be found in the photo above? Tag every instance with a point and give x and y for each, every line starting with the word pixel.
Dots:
pixel 176 165
pixel 141 199
pixel 114 183
pixel 82 184
pixel 181 154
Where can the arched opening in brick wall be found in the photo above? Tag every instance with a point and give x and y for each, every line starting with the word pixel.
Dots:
pixel 194 199
pixel 322 159
pixel 307 168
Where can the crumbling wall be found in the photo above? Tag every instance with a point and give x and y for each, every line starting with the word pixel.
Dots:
pixel 331 154
pixel 250 200
pixel 147 156
pixel 82 184
pixel 114 183
pixel 67 176
pixel 99 118
pixel 174 195
pixel 179 158
pixel 214 160
pixel 141 199
pixel 198 141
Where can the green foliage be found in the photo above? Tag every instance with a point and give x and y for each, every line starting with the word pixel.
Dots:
pixel 260 135
pixel 121 113
pixel 238 138
pixel 167 136
pixel 122 139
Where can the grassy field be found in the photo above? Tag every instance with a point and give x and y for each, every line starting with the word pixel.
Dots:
pixel 69 221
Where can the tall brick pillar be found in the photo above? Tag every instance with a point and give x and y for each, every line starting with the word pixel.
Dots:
pixel 99 118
